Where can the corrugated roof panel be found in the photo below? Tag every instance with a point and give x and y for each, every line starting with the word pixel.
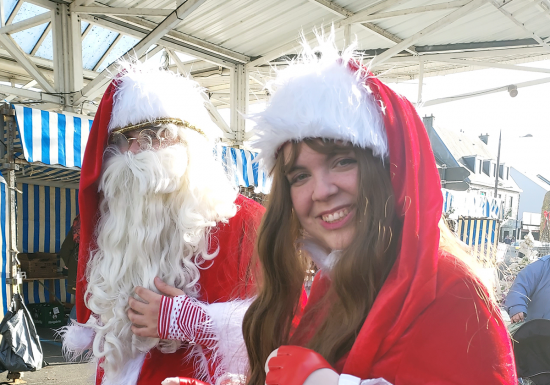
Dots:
pixel 95 44
pixel 46 49
pixel 125 43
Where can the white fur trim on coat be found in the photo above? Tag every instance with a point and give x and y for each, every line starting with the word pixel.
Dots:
pixel 145 93
pixel 319 98
pixel 77 339
pixel 129 375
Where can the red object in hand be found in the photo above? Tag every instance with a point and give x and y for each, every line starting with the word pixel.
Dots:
pixel 191 381
pixel 293 365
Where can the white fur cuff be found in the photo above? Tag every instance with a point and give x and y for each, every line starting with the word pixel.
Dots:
pixel 77 339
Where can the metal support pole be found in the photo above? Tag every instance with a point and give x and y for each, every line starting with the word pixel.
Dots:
pixel 13 269
pixel 67 49
pixel 498 165
pixel 420 81
pixel 239 102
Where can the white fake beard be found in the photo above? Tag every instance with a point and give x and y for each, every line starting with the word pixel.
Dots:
pixel 155 216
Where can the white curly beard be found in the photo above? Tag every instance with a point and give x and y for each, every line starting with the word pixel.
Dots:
pixel 156 212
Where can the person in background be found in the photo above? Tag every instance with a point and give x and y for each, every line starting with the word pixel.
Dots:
pixel 529 296
pixel 69 255
pixel 355 187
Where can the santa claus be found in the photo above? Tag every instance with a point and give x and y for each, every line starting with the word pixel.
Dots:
pixel 166 241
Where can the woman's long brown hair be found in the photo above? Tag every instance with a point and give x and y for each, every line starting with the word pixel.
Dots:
pixel 356 278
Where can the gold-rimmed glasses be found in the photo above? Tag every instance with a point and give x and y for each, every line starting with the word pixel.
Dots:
pixel 148 138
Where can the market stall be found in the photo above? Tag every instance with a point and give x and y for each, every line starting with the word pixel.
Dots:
pixel 46 154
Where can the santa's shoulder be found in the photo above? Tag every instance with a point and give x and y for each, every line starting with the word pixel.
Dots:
pixel 248 210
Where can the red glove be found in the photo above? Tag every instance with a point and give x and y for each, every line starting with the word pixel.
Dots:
pixel 293 365
pixel 191 381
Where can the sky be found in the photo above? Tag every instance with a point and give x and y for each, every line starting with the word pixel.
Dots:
pixel 527 113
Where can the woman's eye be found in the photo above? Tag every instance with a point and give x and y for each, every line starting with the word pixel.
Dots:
pixel 299 178
pixel 346 162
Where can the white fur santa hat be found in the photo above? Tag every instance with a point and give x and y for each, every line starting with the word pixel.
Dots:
pixel 319 96
pixel 147 93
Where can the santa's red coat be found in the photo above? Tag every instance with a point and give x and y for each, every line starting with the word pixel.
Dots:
pixel 228 277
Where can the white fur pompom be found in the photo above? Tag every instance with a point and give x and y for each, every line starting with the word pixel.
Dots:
pixel 77 339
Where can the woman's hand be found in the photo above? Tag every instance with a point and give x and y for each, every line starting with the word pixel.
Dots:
pixel 144 314
pixel 519 317
pixel 294 365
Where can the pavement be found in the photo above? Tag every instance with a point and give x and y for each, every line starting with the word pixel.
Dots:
pixel 57 370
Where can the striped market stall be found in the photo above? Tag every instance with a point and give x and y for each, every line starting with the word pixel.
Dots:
pixel 45 151
pixel 481 234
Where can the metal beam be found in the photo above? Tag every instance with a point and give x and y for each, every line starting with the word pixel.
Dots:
pixel 280 51
pixel 388 36
pixel 199 44
pixel 51 5
pixel 14 12
pixel 42 38
pixel 123 11
pixel 86 31
pixel 109 50
pixel 342 12
pixel 30 84
pixel 214 113
pixel 414 10
pixel 153 37
pixel 475 63
pixel 420 81
pixel 357 17
pixel 167 41
pixel 239 102
pixel 441 23
pixel 27 23
pixel 11 46
pixel 520 25
pixel 485 92
pixel 30 94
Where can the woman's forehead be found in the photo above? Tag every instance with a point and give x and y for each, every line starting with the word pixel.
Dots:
pixel 296 151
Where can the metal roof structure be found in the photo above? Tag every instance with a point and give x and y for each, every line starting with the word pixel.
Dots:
pixel 58 55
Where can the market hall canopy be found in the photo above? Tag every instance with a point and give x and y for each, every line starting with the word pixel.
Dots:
pixel 51 148
pixel 58 55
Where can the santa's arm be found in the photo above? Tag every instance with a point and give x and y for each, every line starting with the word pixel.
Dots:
pixel 216 326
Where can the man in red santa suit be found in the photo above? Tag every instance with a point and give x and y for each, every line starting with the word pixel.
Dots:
pixel 166 240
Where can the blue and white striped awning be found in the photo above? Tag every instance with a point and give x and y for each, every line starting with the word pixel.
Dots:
pixel 60 139
pixel 52 138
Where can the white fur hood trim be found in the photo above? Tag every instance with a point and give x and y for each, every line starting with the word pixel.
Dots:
pixel 145 93
pixel 319 98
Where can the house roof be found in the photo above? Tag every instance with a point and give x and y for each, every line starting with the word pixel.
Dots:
pixel 534 178
pixel 462 145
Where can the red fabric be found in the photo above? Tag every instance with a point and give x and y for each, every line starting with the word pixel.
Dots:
pixel 88 196
pixel 293 365
pixel 428 324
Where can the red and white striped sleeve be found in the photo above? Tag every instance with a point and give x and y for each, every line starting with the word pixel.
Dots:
pixel 184 319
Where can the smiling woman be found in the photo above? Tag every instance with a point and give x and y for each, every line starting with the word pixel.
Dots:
pixel 356 189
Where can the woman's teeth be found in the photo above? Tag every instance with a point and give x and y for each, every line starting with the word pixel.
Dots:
pixel 335 216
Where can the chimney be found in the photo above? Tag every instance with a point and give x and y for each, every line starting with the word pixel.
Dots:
pixel 484 138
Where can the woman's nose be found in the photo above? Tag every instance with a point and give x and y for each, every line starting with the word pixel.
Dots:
pixel 324 189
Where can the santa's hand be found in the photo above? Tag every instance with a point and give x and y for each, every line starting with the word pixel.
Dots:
pixel 294 365
pixel 182 381
pixel 144 314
